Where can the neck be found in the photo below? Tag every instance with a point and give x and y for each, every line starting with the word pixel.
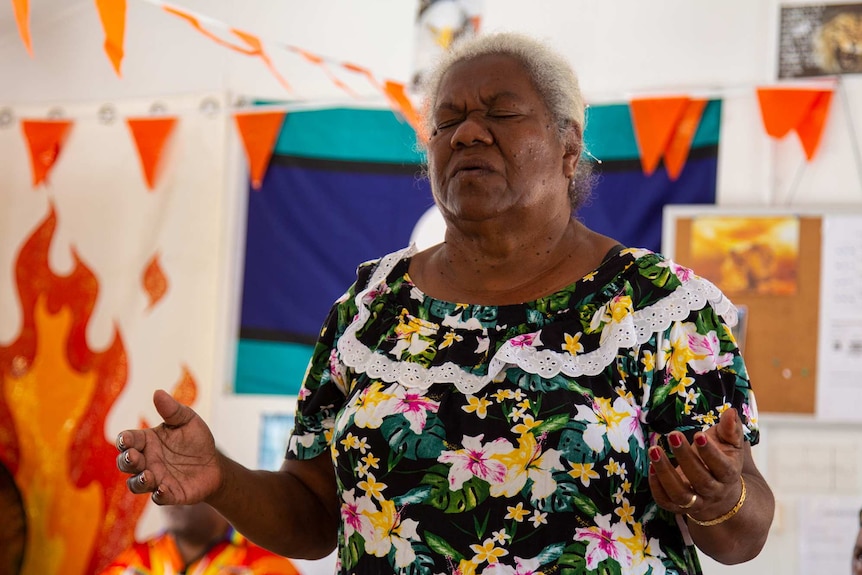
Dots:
pixel 505 268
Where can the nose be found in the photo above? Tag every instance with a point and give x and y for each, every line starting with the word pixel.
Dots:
pixel 470 132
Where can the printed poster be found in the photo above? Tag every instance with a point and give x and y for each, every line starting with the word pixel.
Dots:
pixel 820 40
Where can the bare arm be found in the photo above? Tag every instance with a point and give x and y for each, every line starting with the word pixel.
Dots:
pixel 712 469
pixel 293 511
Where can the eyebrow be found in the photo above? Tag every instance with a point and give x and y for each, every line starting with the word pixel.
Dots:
pixel 495 98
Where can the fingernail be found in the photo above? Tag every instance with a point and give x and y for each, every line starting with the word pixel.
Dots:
pixel 141 479
pixel 675 439
pixel 700 440
pixel 654 454
pixel 651 470
pixel 126 458
pixel 121 445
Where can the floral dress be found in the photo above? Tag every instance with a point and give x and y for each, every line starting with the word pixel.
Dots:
pixel 511 440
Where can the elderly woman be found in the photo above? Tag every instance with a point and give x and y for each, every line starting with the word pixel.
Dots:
pixel 526 396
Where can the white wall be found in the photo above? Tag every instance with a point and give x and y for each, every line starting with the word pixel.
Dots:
pixel 621 48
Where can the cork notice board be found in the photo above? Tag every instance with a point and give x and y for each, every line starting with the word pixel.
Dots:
pixel 768 264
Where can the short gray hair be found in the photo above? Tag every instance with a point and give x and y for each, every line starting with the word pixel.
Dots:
pixel 552 76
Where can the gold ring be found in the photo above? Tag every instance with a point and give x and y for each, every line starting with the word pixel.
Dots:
pixel 691 502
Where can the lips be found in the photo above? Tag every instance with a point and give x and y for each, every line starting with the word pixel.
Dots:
pixel 471 166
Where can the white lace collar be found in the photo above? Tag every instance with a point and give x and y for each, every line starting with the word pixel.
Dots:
pixel 634 329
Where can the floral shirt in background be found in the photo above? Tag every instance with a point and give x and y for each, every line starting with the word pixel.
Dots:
pixel 512 440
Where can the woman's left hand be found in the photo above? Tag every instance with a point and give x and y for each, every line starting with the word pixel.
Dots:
pixel 706 482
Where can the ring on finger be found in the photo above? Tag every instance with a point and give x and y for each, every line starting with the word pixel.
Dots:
pixel 691 502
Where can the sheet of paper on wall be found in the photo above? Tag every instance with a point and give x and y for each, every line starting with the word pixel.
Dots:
pixel 826 532
pixel 839 387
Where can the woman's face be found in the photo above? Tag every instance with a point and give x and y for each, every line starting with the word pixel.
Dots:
pixel 494 149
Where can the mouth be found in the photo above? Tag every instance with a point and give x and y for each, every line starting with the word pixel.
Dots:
pixel 471 167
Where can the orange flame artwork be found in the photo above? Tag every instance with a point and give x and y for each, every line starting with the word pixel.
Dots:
pixel 55 395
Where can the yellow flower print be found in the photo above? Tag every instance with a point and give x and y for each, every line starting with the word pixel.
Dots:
pixel 573 343
pixel 499 536
pixel 372 487
pixel 525 403
pixel 648 360
pixel 350 442
pixel 620 307
pixel 487 551
pixel 539 518
pixel 614 468
pixel 449 339
pixel 625 512
pixel 680 387
pixel 626 486
pixel 371 461
pixel 503 394
pixel 590 276
pixel 517 513
pixel 526 425
pixel 707 419
pixel 584 472
pixel 477 405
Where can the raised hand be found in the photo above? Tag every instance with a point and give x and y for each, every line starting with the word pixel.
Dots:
pixel 707 481
pixel 176 461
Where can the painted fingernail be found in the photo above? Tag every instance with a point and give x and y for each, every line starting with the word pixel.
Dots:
pixel 141 479
pixel 654 454
pixel 126 458
pixel 700 440
pixel 675 439
pixel 121 445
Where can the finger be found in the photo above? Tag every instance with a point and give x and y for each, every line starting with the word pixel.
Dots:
pixel 140 483
pixel 674 491
pixel 723 460
pixel 172 411
pixel 690 463
pixel 729 428
pixel 125 463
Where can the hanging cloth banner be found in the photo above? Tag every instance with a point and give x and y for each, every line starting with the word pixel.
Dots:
pixel 151 135
pixel 801 110
pixel 665 128
pixel 22 19
pixel 259 132
pixel 112 13
pixel 45 139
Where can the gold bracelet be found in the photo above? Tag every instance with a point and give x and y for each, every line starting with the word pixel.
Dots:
pixel 727 515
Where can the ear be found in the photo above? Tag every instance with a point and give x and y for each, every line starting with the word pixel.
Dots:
pixel 573 145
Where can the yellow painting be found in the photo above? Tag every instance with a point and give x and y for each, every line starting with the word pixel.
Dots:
pixel 747 255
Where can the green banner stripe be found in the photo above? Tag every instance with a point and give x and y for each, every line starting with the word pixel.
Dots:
pixel 610 135
pixel 270 367
pixel 354 135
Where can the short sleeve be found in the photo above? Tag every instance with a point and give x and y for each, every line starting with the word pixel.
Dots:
pixel 325 384
pixel 693 371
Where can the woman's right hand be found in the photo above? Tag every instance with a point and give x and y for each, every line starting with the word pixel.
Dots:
pixel 176 461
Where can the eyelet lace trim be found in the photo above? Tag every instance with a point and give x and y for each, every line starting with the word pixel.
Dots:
pixel 634 329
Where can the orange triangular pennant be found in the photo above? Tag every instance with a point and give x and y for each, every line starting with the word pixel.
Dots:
pixel 22 19
pixel 150 135
pixel 45 139
pixel 810 128
pixel 112 13
pixel 680 143
pixel 398 97
pixel 655 121
pixel 782 109
pixel 259 132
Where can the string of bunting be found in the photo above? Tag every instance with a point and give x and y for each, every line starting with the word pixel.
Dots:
pixel 664 126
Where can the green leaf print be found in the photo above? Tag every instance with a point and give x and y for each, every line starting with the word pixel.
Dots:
pixel 407 443
pixel 568 496
pixel 353 551
pixel 474 491
pixel 573 561
pixel 553 423
pixel 441 547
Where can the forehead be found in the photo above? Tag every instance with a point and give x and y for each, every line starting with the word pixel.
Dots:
pixel 486 77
